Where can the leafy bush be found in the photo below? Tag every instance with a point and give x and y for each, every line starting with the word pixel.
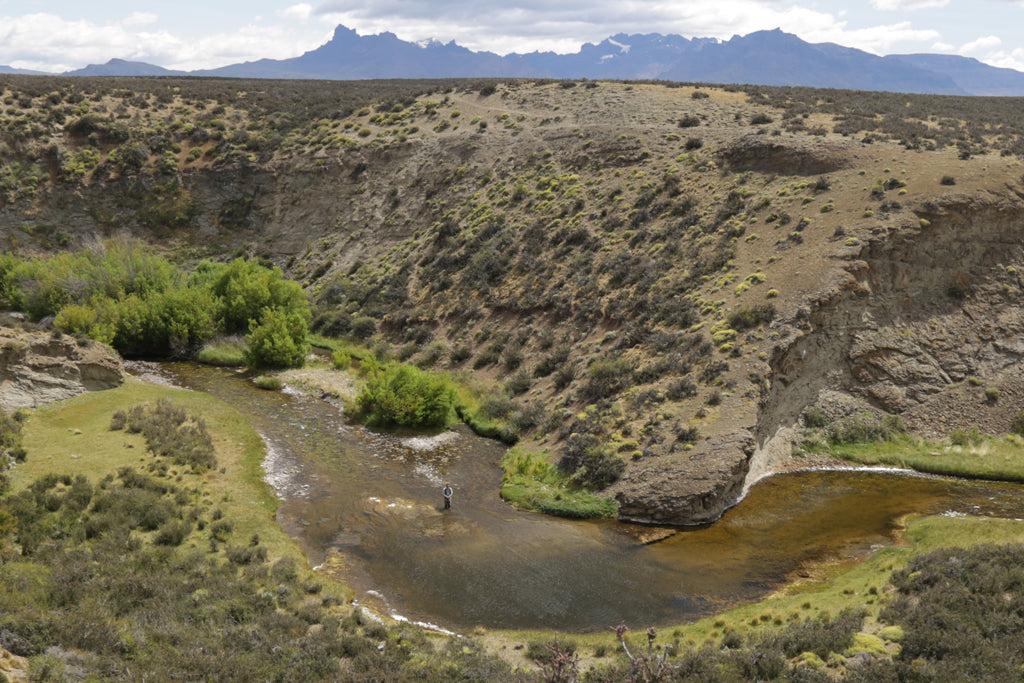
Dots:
pixel 820 636
pixel 607 376
pixel 278 340
pixel 394 394
pixel 173 322
pixel 341 360
pixel 121 293
pixel 11 450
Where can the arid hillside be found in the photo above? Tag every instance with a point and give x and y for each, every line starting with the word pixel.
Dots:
pixel 670 282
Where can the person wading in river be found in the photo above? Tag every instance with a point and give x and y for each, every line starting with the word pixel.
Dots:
pixel 447 491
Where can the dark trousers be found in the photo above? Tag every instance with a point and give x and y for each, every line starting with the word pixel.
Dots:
pixel 447 502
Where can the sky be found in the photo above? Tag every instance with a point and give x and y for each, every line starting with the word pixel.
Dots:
pixel 61 35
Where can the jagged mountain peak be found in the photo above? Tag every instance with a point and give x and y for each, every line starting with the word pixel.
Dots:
pixel 766 57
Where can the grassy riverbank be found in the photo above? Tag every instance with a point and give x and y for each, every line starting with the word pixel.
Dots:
pixel 968 455
pixel 530 482
pixel 814 601
pixel 74 437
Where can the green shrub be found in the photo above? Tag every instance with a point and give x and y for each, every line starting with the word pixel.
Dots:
pixel 394 394
pixel 959 437
pixel 244 290
pixel 364 327
pixel 172 322
pixel 76 319
pixel 607 377
pixel 278 340
pixel 821 636
pixel 173 533
pixel 170 433
pixel 959 609
pixel 815 417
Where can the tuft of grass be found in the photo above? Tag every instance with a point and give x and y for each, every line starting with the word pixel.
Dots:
pixel 225 352
pixel 268 382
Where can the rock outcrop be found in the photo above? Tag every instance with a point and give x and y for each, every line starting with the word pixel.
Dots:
pixel 694 487
pixel 791 157
pixel 38 368
pixel 926 323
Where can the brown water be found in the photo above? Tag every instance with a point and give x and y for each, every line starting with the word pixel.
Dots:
pixel 368 505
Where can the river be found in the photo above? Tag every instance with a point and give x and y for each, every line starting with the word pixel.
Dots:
pixel 367 506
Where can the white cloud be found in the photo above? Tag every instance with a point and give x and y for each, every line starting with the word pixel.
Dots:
pixel 907 4
pixel 302 11
pixel 249 43
pixel 984 44
pixel 139 19
pixel 879 40
pixel 1013 59
pixel 47 42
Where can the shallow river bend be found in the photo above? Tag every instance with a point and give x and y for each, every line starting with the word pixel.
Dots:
pixel 367 505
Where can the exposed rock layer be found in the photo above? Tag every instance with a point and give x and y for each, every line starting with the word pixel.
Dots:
pixel 41 368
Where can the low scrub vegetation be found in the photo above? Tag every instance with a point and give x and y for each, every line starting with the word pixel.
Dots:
pixel 960 615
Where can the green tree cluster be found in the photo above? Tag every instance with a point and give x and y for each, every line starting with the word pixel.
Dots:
pixel 121 293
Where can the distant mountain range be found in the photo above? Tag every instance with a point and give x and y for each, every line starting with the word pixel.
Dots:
pixel 760 58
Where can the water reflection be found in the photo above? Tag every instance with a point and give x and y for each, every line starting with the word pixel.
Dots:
pixel 368 505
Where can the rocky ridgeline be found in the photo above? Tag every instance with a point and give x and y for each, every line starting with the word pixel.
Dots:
pixel 37 368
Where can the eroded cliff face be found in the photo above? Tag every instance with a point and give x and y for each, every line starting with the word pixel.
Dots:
pixel 36 369
pixel 904 325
